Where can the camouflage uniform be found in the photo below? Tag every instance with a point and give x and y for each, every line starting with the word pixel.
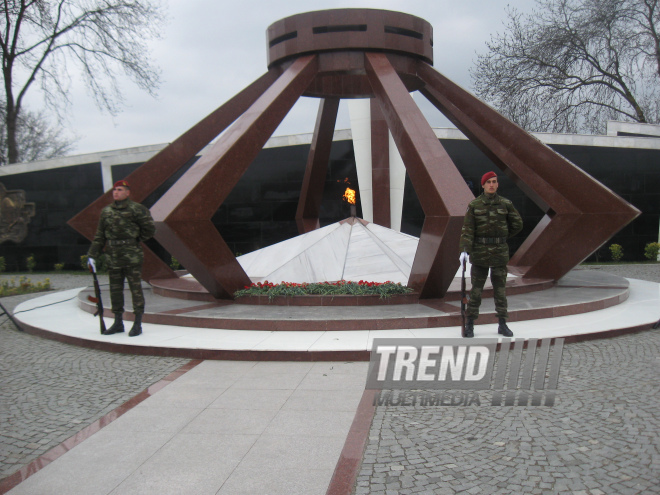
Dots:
pixel 489 221
pixel 122 226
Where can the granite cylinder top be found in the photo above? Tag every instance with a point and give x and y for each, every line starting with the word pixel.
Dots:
pixel 349 30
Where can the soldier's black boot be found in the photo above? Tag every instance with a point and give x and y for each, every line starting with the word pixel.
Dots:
pixel 503 329
pixel 137 327
pixel 117 326
pixel 469 328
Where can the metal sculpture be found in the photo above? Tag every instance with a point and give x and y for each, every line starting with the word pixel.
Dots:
pixel 384 55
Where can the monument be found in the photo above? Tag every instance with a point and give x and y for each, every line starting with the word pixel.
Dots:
pixel 382 55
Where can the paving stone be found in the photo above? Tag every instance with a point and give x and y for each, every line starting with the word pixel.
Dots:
pixel 601 437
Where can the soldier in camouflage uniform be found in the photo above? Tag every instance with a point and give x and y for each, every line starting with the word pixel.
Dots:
pixel 122 227
pixel 489 221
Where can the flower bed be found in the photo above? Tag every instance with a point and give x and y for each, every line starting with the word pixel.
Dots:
pixel 340 288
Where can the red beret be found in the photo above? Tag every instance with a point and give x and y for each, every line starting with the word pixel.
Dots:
pixel 487 175
pixel 122 183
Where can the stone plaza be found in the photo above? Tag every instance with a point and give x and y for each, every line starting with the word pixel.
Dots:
pixel 600 437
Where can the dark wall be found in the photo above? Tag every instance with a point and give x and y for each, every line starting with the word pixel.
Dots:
pixel 58 195
pixel 260 211
pixel 634 174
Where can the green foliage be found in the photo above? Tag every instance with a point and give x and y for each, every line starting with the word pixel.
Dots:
pixel 31 263
pixel 58 267
pixel 361 288
pixel 3 264
pixel 616 251
pixel 572 65
pixel 25 286
pixel 651 251
pixel 174 263
pixel 45 44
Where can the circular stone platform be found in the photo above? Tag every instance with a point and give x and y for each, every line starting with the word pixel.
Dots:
pixel 183 302
pixel 583 305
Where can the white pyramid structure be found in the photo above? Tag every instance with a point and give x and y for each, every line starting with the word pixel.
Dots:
pixel 352 249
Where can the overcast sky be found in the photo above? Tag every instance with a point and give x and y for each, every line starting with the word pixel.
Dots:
pixel 211 49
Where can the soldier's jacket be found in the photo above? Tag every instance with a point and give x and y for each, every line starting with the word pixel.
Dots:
pixel 125 221
pixel 489 218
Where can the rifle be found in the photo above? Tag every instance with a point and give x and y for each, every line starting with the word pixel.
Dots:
pixel 464 299
pixel 97 300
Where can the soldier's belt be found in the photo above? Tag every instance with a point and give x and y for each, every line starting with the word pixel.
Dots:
pixel 122 242
pixel 490 240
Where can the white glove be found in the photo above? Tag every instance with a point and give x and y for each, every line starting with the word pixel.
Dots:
pixel 463 258
pixel 92 264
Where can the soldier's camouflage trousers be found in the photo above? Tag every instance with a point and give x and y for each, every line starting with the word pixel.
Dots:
pixel 478 276
pixel 133 274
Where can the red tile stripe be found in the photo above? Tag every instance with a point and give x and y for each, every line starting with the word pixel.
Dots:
pixel 346 471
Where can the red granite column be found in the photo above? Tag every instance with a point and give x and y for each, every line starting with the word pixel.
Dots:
pixel 309 204
pixel 155 171
pixel 380 166
pixel 442 191
pixel 581 213
pixel 183 214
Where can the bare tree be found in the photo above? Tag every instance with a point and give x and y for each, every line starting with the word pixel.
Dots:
pixel 43 40
pixel 36 138
pixel 572 65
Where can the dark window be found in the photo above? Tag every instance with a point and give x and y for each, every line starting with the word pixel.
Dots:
pixel 284 37
pixel 404 32
pixel 339 29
